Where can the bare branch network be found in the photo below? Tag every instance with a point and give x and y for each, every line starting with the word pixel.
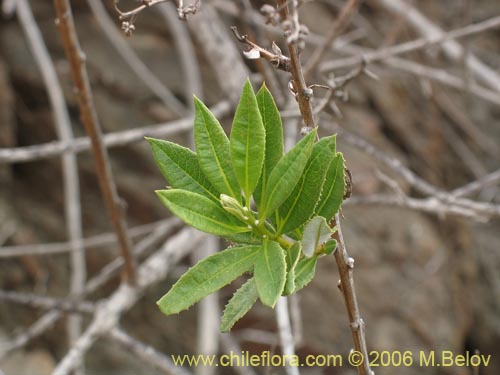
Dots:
pixel 161 245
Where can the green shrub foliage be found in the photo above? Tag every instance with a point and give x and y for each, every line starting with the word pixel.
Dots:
pixel 273 207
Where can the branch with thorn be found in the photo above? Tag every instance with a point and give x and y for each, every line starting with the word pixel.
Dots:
pixel 277 59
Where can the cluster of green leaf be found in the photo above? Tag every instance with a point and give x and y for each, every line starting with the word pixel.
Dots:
pixel 273 206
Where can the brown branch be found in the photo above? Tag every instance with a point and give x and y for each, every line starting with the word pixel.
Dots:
pixel 408 66
pixel 345 265
pixel 277 59
pixel 48 320
pixel 484 182
pixel 451 48
pixel 109 312
pixel 134 12
pixel 71 185
pixel 481 209
pixel 303 93
pixel 43 302
pixel 344 262
pixel 414 45
pixel 84 243
pixel 135 63
pixel 338 27
pixel 430 205
pixel 88 115
pixel 119 138
pixel 146 353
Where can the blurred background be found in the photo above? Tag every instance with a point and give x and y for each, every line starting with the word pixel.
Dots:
pixel 427 263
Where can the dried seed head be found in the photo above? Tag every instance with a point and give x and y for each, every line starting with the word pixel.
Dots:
pixel 128 28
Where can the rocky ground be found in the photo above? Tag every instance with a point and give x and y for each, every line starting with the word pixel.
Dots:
pixel 424 281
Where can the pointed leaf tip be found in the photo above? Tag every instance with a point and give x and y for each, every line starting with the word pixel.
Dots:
pixel 213 151
pixel 286 174
pixel 270 272
pixel 242 301
pixel 247 142
pixel 207 276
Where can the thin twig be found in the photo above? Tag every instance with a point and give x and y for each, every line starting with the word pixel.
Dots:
pixel 258 336
pixel 218 47
pixel 71 184
pixel 36 329
pixel 131 14
pixel 342 44
pixel 86 243
pixel 36 301
pixel 338 27
pixel 303 92
pixel 277 59
pixel 119 138
pixel 134 62
pixel 230 345
pixel 112 268
pixel 345 265
pixel 286 336
pixel 481 209
pixel 149 355
pixel 182 11
pixel 414 45
pixel 193 83
pixel 296 318
pixel 208 313
pixel 442 76
pixel 429 205
pixel 114 205
pixel 459 116
pixel 108 313
pixel 451 48
pixel 47 320
pixel 475 186
pixel 341 256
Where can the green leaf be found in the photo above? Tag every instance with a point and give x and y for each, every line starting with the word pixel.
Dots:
pixel 333 190
pixel 200 212
pixel 207 276
pixel 247 141
pixel 213 151
pixel 316 232
pixel 270 272
pixel 274 138
pixel 292 258
pixel 304 272
pixel 179 165
pixel 286 174
pixel 247 238
pixel 299 206
pixel 329 247
pixel 239 304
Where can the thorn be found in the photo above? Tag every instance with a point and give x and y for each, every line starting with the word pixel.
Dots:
pixel 276 49
pixel 241 38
